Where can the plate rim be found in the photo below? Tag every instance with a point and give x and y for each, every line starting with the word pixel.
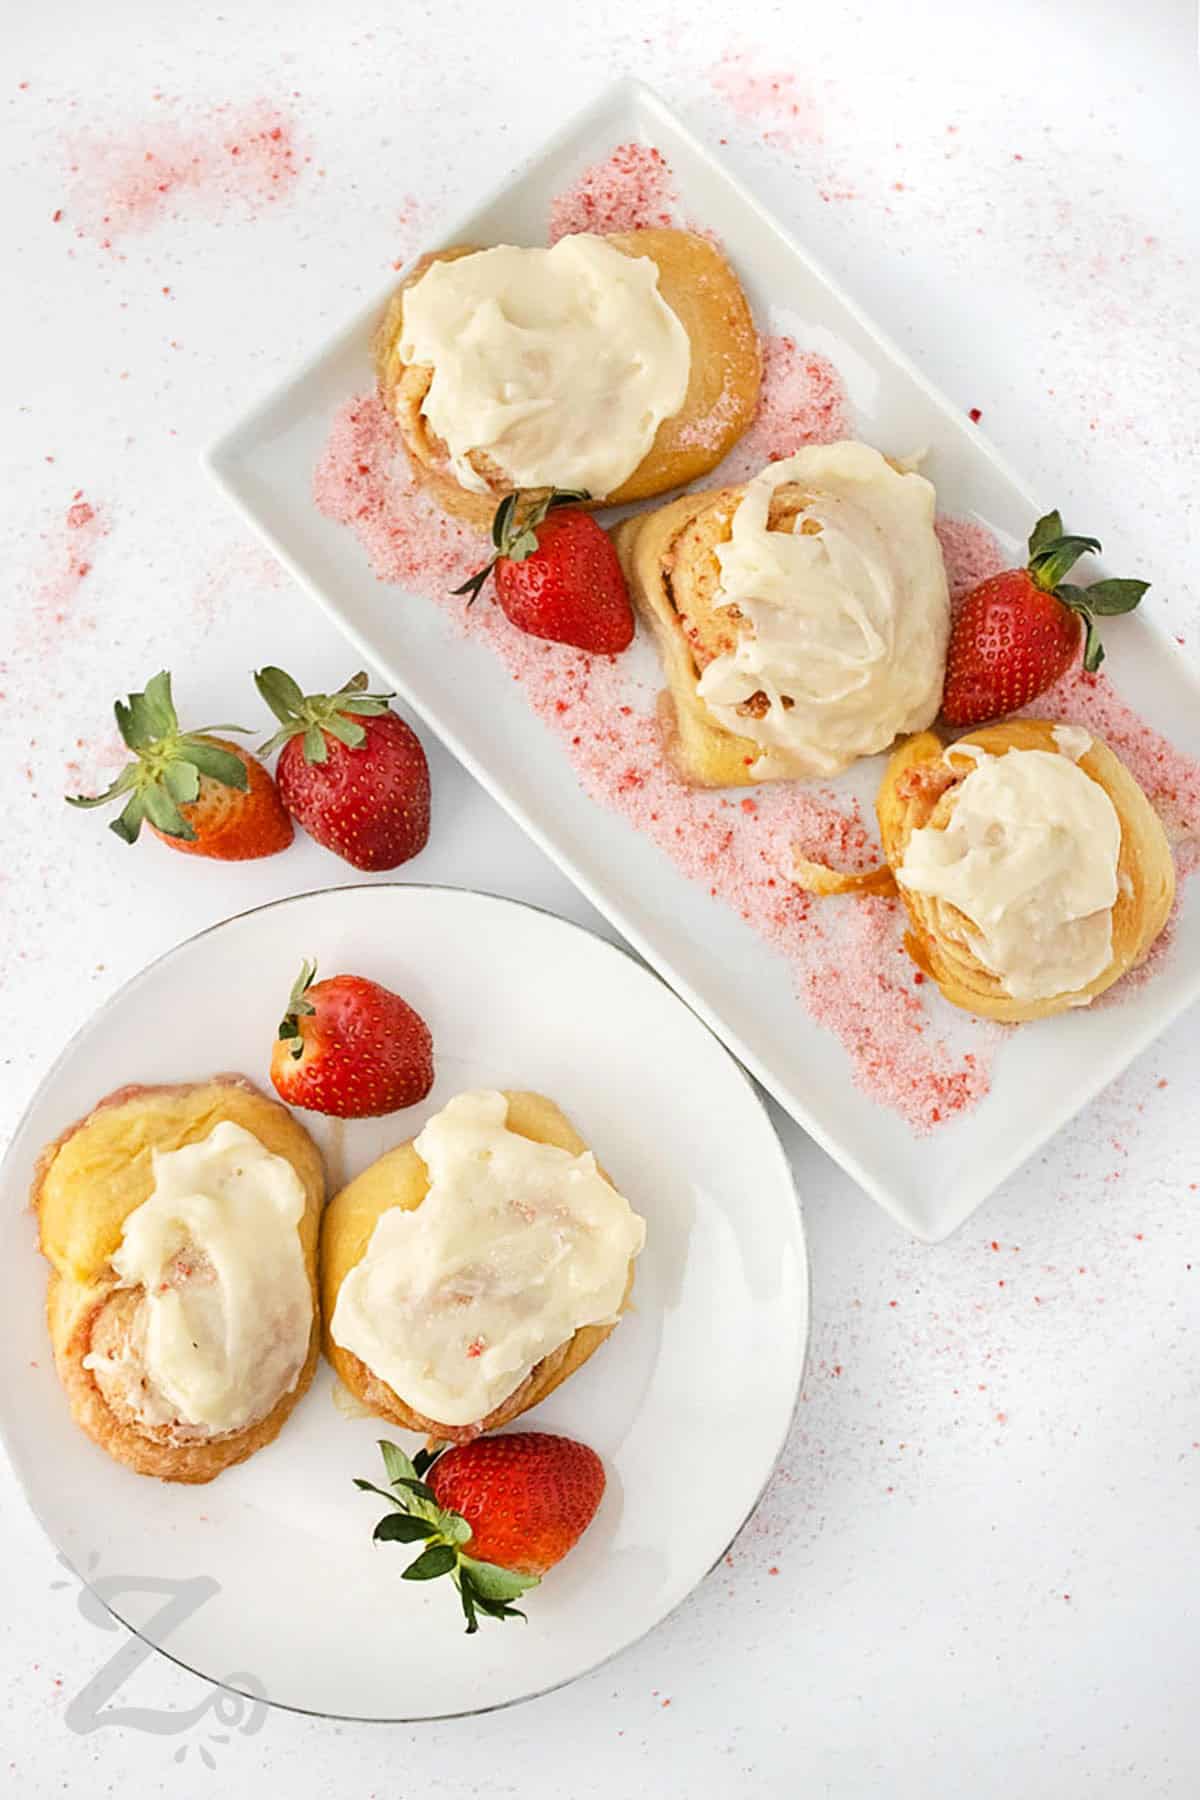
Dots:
pixel 220 460
pixel 131 982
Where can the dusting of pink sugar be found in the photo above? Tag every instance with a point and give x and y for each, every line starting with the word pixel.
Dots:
pixel 970 553
pixel 1168 775
pixel 68 556
pixel 364 480
pixel 630 190
pixel 803 401
pixel 230 156
pixel 772 100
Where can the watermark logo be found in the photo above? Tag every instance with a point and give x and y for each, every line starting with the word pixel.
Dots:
pixel 243 1711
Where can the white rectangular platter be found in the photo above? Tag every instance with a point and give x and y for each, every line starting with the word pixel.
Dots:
pixel 1042 1073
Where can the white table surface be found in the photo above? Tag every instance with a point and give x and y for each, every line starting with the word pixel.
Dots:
pixel 974 1573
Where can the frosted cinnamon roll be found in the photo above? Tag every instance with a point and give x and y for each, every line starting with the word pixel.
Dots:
pixel 1034 870
pixel 471 1271
pixel 620 365
pixel 180 1224
pixel 802 619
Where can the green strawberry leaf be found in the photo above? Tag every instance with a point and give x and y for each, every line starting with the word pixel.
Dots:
pixel 439 1559
pixel 403 1528
pixel 125 780
pixel 1111 597
pixel 346 731
pixel 182 781
pixel 1047 527
pixel 501 520
pixel 456 1528
pixel 494 1583
pixel 1058 557
pixel 163 813
pixel 218 764
pixel 129 823
pixel 468 1605
pixel 157 706
pixel 368 1487
pixel 424 1460
pixel 398 1465
pixel 416 1487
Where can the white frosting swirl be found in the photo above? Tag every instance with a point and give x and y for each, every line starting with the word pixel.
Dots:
pixel 1029 857
pixel 514 1247
pixel 849 623
pixel 559 364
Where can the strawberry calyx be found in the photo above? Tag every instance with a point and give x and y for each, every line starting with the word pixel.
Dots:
pixel 311 716
pixel 417 1518
pixel 1053 553
pixel 299 1006
pixel 168 765
pixel 514 529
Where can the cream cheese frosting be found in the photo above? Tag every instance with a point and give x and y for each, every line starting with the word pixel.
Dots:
pixel 1029 857
pixel 222 1330
pixel 849 613
pixel 514 1247
pixel 558 364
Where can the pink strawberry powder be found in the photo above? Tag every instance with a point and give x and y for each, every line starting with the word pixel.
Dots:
pixel 769 100
pixel 803 401
pixel 630 190
pixel 364 480
pixel 970 554
pixel 230 156
pixel 69 553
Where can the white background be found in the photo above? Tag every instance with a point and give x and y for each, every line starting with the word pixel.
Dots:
pixel 974 1573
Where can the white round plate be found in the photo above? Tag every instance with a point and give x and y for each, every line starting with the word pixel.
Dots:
pixel 267 1580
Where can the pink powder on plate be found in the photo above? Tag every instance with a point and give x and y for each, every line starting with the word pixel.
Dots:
pixel 970 554
pixel 630 190
pixel 803 401
pixel 364 480
pixel 230 156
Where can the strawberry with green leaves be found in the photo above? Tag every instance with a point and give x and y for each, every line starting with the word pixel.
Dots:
pixel 350 770
pixel 494 1514
pixel 350 1048
pixel 1018 632
pixel 557 574
pixel 197 792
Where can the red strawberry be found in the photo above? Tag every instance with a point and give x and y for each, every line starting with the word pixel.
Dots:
pixel 197 792
pixel 350 1048
pixel 350 770
pixel 1018 631
pixel 557 574
pixel 518 1503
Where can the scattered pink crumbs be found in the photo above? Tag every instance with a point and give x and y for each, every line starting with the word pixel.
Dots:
pixel 231 156
pixel 770 100
pixel 803 401
pixel 364 480
pixel 70 551
pixel 631 190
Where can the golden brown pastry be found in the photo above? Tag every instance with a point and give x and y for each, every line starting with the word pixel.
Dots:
pixel 801 619
pixel 469 1311
pixel 1034 870
pixel 717 395
pixel 146 1208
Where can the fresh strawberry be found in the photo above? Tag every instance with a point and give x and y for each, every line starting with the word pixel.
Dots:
pixel 350 1048
pixel 197 792
pixel 557 574
pixel 518 1502
pixel 1018 631
pixel 350 770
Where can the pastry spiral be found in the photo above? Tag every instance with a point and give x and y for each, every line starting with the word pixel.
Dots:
pixel 920 790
